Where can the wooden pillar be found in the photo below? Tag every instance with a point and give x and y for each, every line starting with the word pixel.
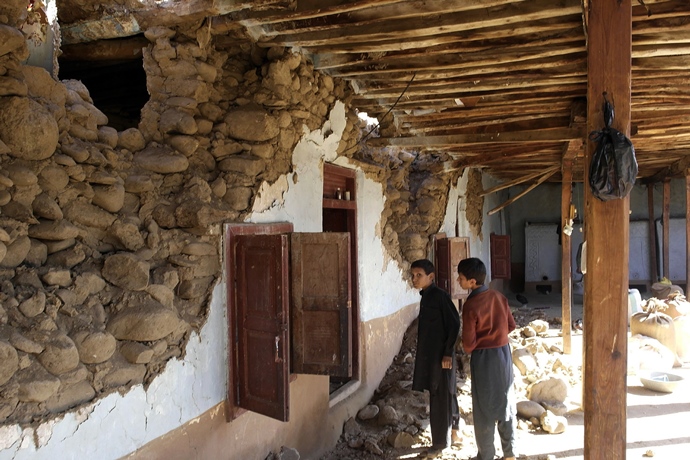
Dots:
pixel 566 258
pixel 654 275
pixel 607 228
pixel 666 239
pixel 687 230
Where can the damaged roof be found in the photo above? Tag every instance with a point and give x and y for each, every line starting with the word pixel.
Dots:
pixel 496 84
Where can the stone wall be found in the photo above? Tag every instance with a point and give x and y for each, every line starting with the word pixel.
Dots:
pixel 110 241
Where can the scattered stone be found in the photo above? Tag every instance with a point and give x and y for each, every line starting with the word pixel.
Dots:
pixel 388 416
pixel 401 440
pixel 529 409
pixel 368 412
pixel 553 424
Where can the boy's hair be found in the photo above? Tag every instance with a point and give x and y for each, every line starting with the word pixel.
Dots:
pixel 473 268
pixel 424 264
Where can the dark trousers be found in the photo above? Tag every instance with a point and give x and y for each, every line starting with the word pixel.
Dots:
pixel 493 400
pixel 443 410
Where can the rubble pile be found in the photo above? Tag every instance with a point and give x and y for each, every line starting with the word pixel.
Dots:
pixel 396 421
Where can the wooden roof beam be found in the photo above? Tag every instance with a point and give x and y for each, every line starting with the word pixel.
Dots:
pixel 555 134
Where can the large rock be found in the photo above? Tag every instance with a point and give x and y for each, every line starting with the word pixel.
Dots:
pixel 71 396
pixel 126 271
pixel 60 355
pixel 35 384
pixel 9 362
pixel 251 124
pixel 28 129
pixel 16 252
pixel 94 347
pixel 88 214
pixel 131 139
pixel 161 159
pixel 529 409
pixel 524 361
pixel 109 197
pixel 143 323
pixel 550 389
pixel 54 230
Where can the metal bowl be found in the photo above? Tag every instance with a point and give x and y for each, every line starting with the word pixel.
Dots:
pixel 661 381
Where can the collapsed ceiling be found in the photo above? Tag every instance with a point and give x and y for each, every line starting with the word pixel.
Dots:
pixel 497 84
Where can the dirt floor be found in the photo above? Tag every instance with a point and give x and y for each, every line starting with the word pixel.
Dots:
pixel 658 424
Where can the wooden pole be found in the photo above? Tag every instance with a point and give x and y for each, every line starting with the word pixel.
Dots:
pixel 653 273
pixel 607 231
pixel 687 231
pixel 566 259
pixel 666 240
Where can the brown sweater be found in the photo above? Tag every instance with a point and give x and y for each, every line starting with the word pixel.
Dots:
pixel 486 320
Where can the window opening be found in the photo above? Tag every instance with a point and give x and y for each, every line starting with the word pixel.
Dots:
pixel 113 72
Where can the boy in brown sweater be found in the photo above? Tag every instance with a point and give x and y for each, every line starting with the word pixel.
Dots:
pixel 486 323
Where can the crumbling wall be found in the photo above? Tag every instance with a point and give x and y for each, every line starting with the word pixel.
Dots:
pixel 416 191
pixel 110 241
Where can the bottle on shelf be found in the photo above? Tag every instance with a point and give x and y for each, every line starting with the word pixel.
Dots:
pixel 338 194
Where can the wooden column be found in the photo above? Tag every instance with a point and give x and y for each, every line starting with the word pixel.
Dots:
pixel 687 230
pixel 665 217
pixel 566 262
pixel 606 233
pixel 654 275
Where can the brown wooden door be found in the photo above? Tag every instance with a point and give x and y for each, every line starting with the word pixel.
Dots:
pixel 443 269
pixel 450 251
pixel 262 314
pixel 321 302
pixel 500 257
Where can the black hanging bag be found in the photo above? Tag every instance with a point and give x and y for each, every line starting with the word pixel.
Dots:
pixel 613 169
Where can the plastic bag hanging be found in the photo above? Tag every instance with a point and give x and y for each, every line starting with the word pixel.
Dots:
pixel 613 169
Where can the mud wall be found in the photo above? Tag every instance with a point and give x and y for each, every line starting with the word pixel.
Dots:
pixel 110 241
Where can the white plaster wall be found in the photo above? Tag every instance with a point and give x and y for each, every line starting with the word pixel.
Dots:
pixel 117 425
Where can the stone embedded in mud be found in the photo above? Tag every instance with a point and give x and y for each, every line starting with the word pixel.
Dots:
pixel 34 305
pixel 46 207
pixel 53 230
pixel 70 396
pixel 9 362
pixel 251 124
pixel 143 323
pixel 60 355
pixel 28 129
pixel 401 440
pixel 109 197
pixel 126 271
pixel 161 160
pixel 12 40
pixel 83 213
pixel 16 252
pixel 177 121
pixel 36 384
pixel 131 139
pixel 94 347
pixel 136 353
